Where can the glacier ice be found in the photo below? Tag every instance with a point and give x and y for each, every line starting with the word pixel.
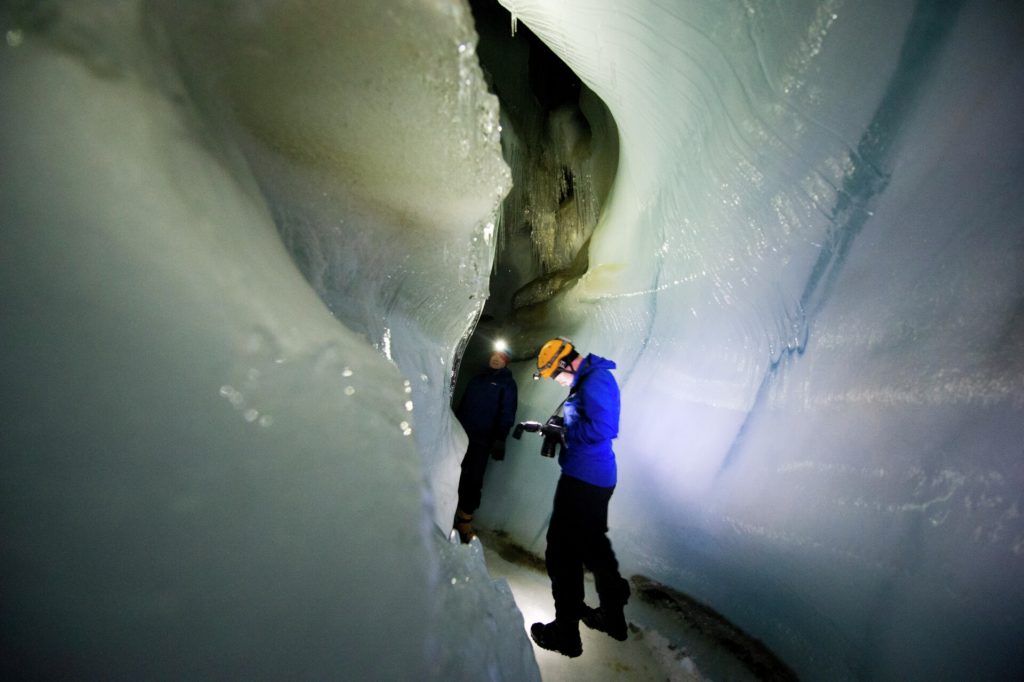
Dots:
pixel 241 240
pixel 205 474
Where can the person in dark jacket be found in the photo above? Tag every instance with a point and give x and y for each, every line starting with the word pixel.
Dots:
pixel 577 535
pixel 487 411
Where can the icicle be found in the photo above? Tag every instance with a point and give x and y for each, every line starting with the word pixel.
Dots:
pixel 515 22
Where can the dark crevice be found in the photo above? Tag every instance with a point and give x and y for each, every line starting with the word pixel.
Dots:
pixel 566 189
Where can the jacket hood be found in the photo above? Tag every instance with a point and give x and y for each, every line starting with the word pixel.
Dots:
pixel 590 363
pixel 597 362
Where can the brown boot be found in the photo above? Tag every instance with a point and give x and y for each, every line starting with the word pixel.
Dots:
pixel 464 526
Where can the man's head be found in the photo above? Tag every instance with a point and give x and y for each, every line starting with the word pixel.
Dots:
pixel 498 359
pixel 558 359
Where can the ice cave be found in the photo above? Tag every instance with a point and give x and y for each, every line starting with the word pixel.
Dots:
pixel 247 247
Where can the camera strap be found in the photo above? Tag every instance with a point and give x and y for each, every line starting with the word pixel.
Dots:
pixel 558 410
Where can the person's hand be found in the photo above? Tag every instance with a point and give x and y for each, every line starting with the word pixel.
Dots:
pixel 554 428
pixel 498 450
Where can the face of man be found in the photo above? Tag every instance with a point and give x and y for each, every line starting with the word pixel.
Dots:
pixel 565 378
pixel 497 360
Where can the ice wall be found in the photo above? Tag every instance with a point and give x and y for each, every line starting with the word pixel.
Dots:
pixel 376 146
pixel 207 475
pixel 810 272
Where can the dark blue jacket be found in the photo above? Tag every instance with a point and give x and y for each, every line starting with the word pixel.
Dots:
pixel 488 407
pixel 591 422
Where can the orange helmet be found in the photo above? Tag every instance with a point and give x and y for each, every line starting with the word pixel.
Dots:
pixel 555 355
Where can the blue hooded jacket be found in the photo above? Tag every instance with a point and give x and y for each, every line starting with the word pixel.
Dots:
pixel 591 422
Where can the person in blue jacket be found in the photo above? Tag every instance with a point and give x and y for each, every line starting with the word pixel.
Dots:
pixel 487 411
pixel 577 535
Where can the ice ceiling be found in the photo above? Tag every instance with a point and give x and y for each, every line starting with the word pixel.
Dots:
pixel 244 244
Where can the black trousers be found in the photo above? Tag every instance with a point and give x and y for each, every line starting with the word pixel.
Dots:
pixel 577 539
pixel 471 482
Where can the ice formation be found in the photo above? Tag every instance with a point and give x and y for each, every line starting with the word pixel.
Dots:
pixel 205 474
pixel 218 463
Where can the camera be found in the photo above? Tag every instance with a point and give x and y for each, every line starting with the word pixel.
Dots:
pixel 553 431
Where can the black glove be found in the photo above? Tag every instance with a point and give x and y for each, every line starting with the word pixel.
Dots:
pixel 555 428
pixel 498 450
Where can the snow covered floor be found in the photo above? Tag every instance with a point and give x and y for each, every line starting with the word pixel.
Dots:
pixel 661 646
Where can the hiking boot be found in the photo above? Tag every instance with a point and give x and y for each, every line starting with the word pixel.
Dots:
pixel 464 526
pixel 556 636
pixel 612 622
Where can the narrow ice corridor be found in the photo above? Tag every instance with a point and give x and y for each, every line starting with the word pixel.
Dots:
pixel 244 246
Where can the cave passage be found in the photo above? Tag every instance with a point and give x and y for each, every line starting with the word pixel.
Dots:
pixel 561 143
